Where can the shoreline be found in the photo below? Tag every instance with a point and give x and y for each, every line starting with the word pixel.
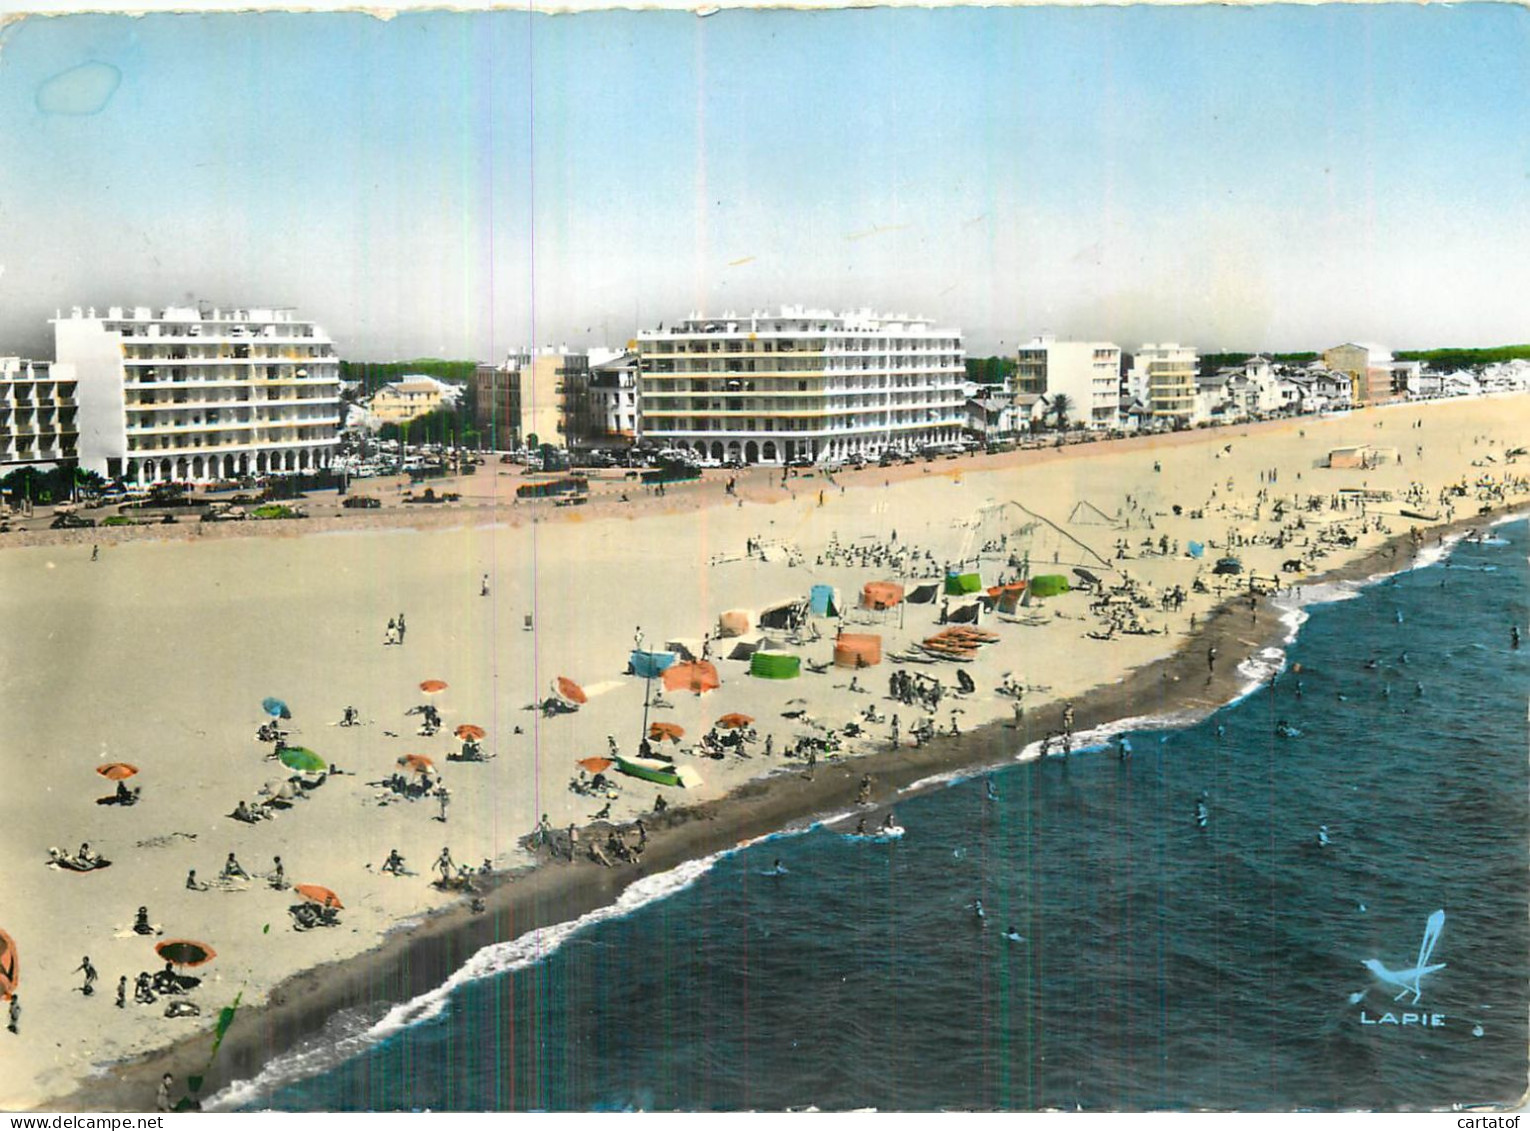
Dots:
pixel 422 953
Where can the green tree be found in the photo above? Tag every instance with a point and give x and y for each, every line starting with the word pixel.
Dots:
pixel 1061 406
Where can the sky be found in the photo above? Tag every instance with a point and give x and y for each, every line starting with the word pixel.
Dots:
pixel 462 184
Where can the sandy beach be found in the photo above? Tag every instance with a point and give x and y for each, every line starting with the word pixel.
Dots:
pixel 160 652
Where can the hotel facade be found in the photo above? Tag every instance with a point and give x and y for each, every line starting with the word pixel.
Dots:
pixel 37 413
pixel 800 383
pixel 200 395
pixel 1087 373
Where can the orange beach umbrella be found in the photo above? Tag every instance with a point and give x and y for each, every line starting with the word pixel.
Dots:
pixel 10 971
pixel 595 765
pixel 117 771
pixel 419 763
pixel 735 721
pixel 431 686
pixel 660 731
pixel 698 676
pixel 565 688
pixel 471 730
pixel 322 896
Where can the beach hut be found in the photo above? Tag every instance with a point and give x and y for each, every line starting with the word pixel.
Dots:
pixel 1010 597
pixel 923 594
pixel 881 595
pixel 783 615
pixel 960 584
pixel 734 622
pixel 1349 456
pixel 857 650
pixel 970 613
pixel 824 601
pixel 770 664
pixel 649 665
pixel 1049 585
pixel 744 647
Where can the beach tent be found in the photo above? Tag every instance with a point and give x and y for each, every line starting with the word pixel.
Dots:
pixel 687 648
pixel 1350 456
pixel 1010 597
pixel 783 614
pixel 824 600
pixel 881 595
pixel 1195 549
pixel 857 650
pixel 10 969
pixel 698 677
pixel 966 614
pixel 735 622
pixel 960 584
pixel 647 665
pixel 923 594
pixel 1049 585
pixel 743 649
pixel 775 665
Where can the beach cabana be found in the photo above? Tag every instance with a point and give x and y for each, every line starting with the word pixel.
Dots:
pixel 824 600
pixel 923 594
pixel 1010 597
pixel 734 622
pixel 857 650
pixel 744 648
pixel 1049 585
pixel 686 647
pixel 770 664
pixel 970 613
pixel 960 584
pixel 698 677
pixel 881 595
pixel 783 615
pixel 648 665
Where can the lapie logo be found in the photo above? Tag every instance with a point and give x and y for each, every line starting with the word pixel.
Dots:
pixel 1409 981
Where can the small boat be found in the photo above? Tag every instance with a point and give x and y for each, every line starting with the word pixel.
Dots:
pixel 658 772
pixel 1420 516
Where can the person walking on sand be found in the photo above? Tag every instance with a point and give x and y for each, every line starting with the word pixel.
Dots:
pixel 89 987
pixel 446 865
pixel 1211 659
pixel 122 992
pixel 95 553
pixel 278 875
pixel 443 795
pixel 483 588
pixel 573 842
pixel 162 1097
pixel 400 628
pixel 14 1021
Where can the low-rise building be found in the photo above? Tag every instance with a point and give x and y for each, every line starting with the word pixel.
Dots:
pixel 200 394
pixel 527 399
pixel 412 395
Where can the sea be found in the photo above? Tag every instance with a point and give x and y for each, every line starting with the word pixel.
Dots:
pixel 1313 899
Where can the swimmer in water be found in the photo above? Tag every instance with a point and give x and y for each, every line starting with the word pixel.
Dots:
pixel 779 869
pixel 993 790
pixel 1201 815
pixel 1013 935
pixel 1323 836
pixel 978 913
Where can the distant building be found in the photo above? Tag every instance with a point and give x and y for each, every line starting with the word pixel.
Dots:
pixel 526 399
pixel 1163 380
pixel 613 395
pixel 1087 373
pixel 198 394
pixel 1374 375
pixel 411 396
pixel 800 383
pixel 37 413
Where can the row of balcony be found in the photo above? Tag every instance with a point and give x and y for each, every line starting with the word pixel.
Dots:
pixel 817 346
pixel 239 355
pixel 137 448
pixel 39 402
pixel 830 431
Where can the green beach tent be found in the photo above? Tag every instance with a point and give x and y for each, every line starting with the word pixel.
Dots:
pixel 1049 585
pixel 775 665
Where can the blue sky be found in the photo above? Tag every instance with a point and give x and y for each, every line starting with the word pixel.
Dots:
pixel 459 184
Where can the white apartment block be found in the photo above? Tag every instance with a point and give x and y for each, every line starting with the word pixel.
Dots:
pixel 1087 373
pixel 800 383
pixel 37 412
pixel 199 395
pixel 1163 379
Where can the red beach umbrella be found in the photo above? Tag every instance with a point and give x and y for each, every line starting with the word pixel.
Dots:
pixel 431 686
pixel 419 763
pixel 470 730
pixel 185 952
pixel 660 731
pixel 596 765
pixel 10 970
pixel 117 771
pixel 735 721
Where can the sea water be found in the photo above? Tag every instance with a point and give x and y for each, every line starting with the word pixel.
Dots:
pixel 1160 963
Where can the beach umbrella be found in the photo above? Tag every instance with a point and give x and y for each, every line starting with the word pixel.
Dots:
pixel 10 971
pixel 185 952
pixel 275 708
pixel 431 686
pixel 569 691
pixel 313 893
pixel 658 732
pixel 303 759
pixel 470 730
pixel 419 763
pixel 698 676
pixel 117 771
pixel 596 765
pixel 735 721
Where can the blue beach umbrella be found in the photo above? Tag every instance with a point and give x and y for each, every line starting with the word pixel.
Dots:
pixel 275 708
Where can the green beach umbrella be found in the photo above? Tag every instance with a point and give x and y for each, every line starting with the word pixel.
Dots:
pixel 301 758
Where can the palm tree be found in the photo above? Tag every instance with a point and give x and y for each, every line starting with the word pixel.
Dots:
pixel 1062 404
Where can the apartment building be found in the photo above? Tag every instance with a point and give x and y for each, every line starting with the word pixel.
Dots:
pixel 200 394
pixel 800 384
pixel 37 413
pixel 1163 379
pixel 1087 373
pixel 526 399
